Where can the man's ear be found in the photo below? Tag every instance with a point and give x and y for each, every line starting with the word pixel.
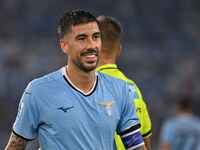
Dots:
pixel 119 50
pixel 64 46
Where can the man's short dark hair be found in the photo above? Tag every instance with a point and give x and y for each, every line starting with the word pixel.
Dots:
pixel 73 18
pixel 185 102
pixel 111 31
pixel 110 28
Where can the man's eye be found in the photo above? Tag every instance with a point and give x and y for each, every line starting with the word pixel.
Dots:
pixel 80 39
pixel 96 37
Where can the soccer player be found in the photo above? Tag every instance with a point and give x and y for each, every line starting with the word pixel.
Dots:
pixel 181 132
pixel 77 107
pixel 111 32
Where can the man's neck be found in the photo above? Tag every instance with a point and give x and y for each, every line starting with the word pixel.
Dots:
pixel 84 81
pixel 106 60
pixel 184 112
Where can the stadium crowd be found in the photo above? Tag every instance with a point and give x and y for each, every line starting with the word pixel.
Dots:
pixel 161 50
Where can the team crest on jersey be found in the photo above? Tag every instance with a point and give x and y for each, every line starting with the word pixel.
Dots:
pixel 108 107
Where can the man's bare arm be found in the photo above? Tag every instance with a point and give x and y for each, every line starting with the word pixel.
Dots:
pixel 16 143
pixel 165 147
pixel 141 148
pixel 147 143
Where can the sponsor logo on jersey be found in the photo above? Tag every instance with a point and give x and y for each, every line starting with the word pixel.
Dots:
pixel 65 109
pixel 108 108
pixel 27 93
pixel 132 89
pixel 21 106
pixel 139 110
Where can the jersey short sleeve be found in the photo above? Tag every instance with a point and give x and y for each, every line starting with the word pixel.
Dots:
pixel 144 119
pixel 165 136
pixel 181 132
pixel 27 119
pixel 141 109
pixel 142 112
pixel 128 113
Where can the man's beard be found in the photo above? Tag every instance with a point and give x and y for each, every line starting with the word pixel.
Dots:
pixel 83 67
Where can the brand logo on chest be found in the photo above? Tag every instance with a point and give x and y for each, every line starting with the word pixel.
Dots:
pixel 65 109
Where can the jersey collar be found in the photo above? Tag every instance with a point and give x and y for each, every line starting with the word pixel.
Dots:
pixel 77 89
pixel 107 66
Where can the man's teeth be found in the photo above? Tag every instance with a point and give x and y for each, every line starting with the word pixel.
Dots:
pixel 90 56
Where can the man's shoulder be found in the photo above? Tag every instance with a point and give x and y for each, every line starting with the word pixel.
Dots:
pixel 171 121
pixel 108 78
pixel 110 82
pixel 51 77
pixel 112 70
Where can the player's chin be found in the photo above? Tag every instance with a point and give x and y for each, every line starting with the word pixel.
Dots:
pixel 90 66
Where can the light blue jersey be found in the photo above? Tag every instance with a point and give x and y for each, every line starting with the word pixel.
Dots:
pixel 182 133
pixel 66 118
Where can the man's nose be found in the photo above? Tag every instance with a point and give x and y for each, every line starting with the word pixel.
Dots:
pixel 91 44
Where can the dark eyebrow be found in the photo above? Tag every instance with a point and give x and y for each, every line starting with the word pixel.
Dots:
pixel 84 35
pixel 97 33
pixel 80 35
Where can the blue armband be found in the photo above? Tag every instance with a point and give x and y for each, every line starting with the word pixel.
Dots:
pixel 132 137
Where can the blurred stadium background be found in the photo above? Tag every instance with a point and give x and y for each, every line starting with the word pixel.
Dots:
pixel 161 51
